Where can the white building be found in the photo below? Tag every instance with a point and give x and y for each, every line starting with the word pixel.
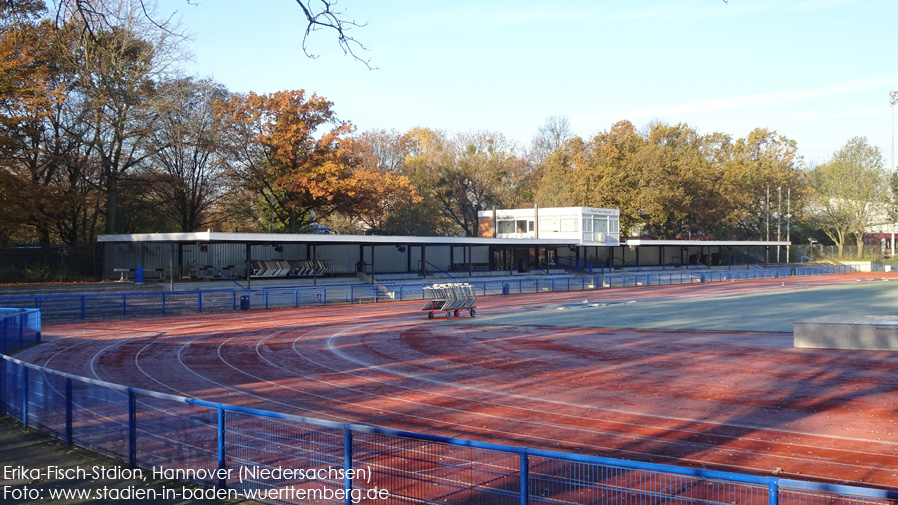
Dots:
pixel 584 225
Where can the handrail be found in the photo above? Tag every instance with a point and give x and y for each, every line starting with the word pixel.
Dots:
pixel 437 269
pixel 224 275
pixel 836 260
pixel 623 261
pixel 812 259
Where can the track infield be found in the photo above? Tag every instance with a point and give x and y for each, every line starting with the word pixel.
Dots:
pixel 700 375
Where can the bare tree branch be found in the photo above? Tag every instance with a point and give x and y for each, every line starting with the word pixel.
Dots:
pixel 326 17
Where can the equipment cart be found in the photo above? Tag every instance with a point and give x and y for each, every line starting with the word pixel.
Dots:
pixel 451 298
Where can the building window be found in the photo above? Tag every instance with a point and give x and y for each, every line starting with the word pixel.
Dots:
pixel 600 225
pixel 506 227
pixel 548 225
pixel 569 224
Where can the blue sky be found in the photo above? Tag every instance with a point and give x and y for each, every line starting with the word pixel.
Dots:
pixel 816 71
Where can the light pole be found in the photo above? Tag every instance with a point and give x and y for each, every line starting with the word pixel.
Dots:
pixel 893 99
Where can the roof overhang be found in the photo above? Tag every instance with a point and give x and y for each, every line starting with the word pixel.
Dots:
pixel 327 239
pixel 706 243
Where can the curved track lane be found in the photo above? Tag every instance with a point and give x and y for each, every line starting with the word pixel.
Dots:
pixel 739 401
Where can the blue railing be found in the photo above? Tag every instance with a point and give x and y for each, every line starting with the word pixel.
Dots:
pixel 19 327
pixel 229 447
pixel 110 305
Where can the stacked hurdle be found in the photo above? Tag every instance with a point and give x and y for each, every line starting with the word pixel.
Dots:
pixel 451 298
pixel 284 268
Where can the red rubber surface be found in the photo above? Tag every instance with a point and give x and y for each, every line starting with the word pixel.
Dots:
pixel 745 402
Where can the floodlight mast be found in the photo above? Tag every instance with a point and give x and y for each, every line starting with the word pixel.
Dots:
pixel 893 99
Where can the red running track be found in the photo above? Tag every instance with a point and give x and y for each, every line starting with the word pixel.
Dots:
pixel 745 402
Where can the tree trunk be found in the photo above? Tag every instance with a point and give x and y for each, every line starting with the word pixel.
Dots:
pixel 111 202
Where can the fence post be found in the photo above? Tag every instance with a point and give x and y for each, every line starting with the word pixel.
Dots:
pixel 68 412
pixel 773 487
pixel 83 308
pixel 3 381
pixel 222 461
pixel 233 300
pixel 124 305
pixel 524 480
pixel 21 322
pixel 199 302
pixel 132 429
pixel 347 462
pixel 24 389
pixel 163 303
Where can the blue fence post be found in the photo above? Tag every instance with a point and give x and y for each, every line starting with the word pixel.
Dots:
pixel 124 305
pixel 24 390
pixel 132 429
pixel 163 304
pixel 773 488
pixel 21 321
pixel 199 302
pixel 3 336
pixel 222 461
pixel 525 473
pixel 3 381
pixel 347 462
pixel 233 300
pixel 68 412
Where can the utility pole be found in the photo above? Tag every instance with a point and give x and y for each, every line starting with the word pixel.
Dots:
pixel 779 219
pixel 788 223
pixel 767 225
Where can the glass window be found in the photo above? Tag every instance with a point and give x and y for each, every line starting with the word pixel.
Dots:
pixel 521 226
pixel 587 224
pixel 615 226
pixel 569 224
pixel 548 225
pixel 530 225
pixel 600 225
pixel 506 227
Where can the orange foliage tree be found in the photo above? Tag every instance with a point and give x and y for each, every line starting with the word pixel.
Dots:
pixel 290 149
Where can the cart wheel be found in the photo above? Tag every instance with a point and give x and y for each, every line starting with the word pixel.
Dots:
pixel 456 313
pixel 430 315
pixel 448 315
pixel 472 312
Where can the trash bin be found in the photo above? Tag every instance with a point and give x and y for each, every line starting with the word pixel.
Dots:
pixel 506 289
pixel 244 302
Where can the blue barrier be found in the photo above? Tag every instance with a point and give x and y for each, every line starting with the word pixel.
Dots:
pixel 19 327
pixel 111 305
pixel 150 429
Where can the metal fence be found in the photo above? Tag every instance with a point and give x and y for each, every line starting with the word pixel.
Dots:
pixel 280 458
pixel 160 303
pixel 19 327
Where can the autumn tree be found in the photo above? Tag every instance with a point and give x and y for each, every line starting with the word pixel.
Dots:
pixel 471 172
pixel 183 177
pixel 850 192
pixel 387 190
pixel 291 149
pixel 761 163
pixel 117 68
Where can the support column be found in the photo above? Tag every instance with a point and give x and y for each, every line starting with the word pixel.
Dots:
pixel 249 266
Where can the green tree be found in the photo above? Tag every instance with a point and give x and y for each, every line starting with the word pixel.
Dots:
pixel 850 192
